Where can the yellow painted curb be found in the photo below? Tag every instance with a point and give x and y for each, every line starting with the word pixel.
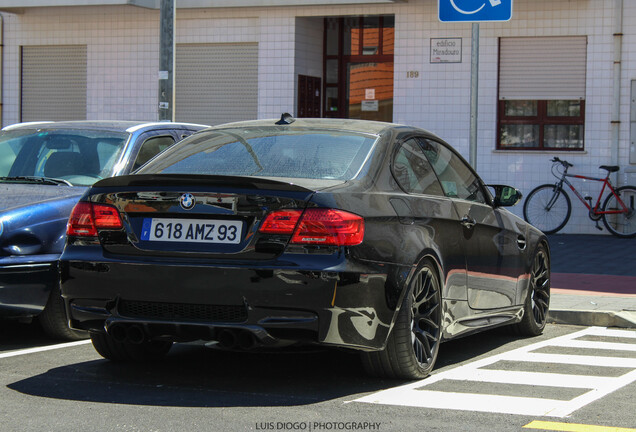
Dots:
pixel 573 427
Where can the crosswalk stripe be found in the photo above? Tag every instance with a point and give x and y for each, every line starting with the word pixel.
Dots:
pixel 595 394
pixel 469 402
pixel 573 359
pixel 599 345
pixel 416 393
pixel 530 378
pixel 602 331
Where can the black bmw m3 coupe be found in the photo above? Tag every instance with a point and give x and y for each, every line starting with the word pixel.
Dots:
pixel 371 236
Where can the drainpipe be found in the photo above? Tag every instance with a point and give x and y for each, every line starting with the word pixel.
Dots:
pixel 616 103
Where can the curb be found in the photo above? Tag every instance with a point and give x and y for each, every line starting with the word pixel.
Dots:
pixel 622 319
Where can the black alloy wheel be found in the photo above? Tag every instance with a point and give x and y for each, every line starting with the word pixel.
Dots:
pixel 538 299
pixel 413 344
pixel 426 318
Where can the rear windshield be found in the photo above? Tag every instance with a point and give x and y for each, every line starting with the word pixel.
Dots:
pixel 267 152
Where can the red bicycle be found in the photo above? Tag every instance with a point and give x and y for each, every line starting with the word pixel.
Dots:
pixel 548 207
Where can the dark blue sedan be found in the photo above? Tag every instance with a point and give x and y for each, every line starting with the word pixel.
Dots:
pixel 44 168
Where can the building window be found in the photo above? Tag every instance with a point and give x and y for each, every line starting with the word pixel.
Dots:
pixel 358 67
pixel 541 124
pixel 542 93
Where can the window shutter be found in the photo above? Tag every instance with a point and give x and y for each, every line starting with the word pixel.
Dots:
pixel 216 83
pixel 53 83
pixel 542 68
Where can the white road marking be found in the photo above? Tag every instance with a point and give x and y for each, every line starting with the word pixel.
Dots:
pixel 530 378
pixel 44 348
pixel 599 345
pixel 573 359
pixel 415 394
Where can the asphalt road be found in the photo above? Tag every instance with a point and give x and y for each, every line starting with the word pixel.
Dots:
pixel 196 389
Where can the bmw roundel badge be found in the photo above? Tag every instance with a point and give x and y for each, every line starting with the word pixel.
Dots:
pixel 187 201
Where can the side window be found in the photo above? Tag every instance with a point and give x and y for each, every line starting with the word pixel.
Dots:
pixel 413 172
pixel 150 148
pixel 458 180
pixel 108 152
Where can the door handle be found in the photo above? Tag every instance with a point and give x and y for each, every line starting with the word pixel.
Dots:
pixel 468 222
pixel 521 242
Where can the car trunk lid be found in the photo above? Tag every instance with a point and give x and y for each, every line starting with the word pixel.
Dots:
pixel 199 217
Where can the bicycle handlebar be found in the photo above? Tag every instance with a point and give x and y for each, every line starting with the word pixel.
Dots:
pixel 562 162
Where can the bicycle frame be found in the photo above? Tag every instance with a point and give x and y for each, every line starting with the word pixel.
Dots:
pixel 596 209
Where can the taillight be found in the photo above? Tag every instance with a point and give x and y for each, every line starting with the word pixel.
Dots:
pixel 317 226
pixel 281 222
pixel 86 218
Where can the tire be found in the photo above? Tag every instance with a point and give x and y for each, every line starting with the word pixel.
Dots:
pixel 537 303
pixel 54 321
pixel 622 224
pixel 413 344
pixel 110 349
pixel 536 213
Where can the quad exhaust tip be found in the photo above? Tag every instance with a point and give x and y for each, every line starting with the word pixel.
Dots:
pixel 133 333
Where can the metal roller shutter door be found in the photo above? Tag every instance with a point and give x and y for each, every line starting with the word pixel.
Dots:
pixel 53 83
pixel 216 83
pixel 542 68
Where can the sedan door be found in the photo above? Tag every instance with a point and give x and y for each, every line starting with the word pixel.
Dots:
pixel 493 242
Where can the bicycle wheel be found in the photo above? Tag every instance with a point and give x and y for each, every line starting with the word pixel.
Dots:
pixel 547 208
pixel 621 224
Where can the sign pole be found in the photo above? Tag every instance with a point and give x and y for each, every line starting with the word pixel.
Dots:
pixel 166 60
pixel 474 11
pixel 474 86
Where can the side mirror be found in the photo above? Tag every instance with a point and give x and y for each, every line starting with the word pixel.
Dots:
pixel 505 196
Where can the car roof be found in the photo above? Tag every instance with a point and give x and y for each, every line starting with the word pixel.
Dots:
pixel 362 126
pixel 110 125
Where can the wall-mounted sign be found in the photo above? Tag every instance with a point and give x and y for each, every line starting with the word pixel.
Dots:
pixel 369 94
pixel 448 50
pixel 369 105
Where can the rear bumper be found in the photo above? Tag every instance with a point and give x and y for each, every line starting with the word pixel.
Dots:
pixel 25 287
pixel 265 306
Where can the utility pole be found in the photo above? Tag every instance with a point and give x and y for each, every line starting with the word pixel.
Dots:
pixel 166 60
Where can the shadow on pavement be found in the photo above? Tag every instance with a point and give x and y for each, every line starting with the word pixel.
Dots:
pixel 192 376
pixel 15 335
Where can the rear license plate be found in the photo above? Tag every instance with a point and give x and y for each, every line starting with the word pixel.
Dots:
pixel 191 230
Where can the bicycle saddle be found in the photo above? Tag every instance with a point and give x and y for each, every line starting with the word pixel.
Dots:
pixel 612 168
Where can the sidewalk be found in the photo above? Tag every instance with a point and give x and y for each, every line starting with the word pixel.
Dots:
pixel 593 280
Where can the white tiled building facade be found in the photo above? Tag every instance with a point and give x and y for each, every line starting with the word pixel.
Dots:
pixel 122 58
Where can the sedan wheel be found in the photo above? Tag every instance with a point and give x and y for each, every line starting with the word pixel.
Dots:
pixel 538 300
pixel 53 319
pixel 413 344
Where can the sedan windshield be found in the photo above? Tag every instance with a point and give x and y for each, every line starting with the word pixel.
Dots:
pixel 76 157
pixel 268 152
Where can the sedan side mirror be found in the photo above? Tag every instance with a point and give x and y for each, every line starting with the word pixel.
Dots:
pixel 505 196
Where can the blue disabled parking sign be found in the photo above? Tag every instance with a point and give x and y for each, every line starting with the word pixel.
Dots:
pixel 474 10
